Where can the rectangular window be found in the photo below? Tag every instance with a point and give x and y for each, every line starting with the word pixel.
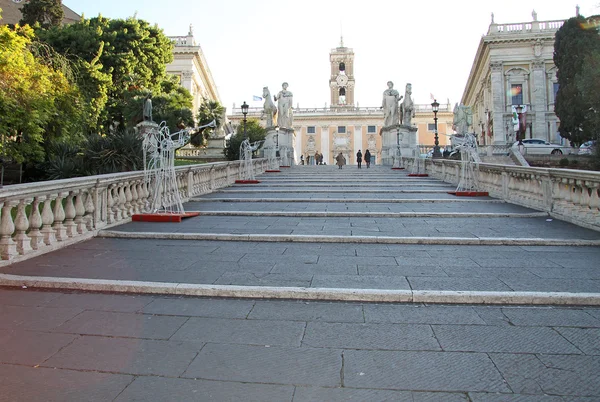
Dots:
pixel 555 87
pixel 431 127
pixel 516 91
pixel 310 129
pixel 341 129
pixel 371 129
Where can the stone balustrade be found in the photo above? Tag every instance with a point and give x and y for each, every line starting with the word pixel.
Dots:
pixel 570 195
pixel 39 217
pixel 525 27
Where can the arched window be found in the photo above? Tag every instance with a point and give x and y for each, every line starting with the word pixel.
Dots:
pixel 342 91
pixel 342 66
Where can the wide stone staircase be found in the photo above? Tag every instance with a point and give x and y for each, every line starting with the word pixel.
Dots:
pixel 318 232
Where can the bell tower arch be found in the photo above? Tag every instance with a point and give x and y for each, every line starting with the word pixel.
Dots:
pixel 341 81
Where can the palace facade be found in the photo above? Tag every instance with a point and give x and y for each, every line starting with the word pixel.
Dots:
pixel 347 128
pixel 514 67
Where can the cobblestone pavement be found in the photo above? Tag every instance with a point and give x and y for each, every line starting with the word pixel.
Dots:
pixel 59 346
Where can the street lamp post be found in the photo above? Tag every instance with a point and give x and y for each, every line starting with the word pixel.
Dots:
pixel 245 112
pixel 435 106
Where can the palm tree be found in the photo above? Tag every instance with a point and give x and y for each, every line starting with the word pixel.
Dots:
pixel 208 111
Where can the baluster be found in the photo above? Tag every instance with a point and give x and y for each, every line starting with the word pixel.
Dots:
pixel 110 205
pixel 120 202
pixel 128 199
pixel 90 209
pixel 80 212
pixel 59 216
pixel 70 214
pixel 47 220
pixel 21 227
pixel 8 247
pixel 595 205
pixel 35 222
pixel 135 198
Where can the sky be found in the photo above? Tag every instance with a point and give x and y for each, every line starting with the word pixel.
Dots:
pixel 250 44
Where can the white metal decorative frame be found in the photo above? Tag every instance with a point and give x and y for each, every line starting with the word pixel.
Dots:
pixel 246 149
pixel 159 166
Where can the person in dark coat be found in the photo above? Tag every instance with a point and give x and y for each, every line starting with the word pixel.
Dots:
pixel 359 158
pixel 368 158
pixel 340 160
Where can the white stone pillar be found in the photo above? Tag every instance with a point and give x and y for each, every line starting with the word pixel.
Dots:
pixel 539 101
pixel 325 145
pixel 498 107
pixel 358 140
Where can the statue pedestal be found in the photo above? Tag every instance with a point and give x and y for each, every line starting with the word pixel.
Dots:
pixel 284 141
pixel 394 138
pixel 270 150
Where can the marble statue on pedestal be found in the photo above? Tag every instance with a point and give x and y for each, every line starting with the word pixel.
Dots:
pixel 391 97
pixel 269 108
pixel 463 118
pixel 147 112
pixel 407 108
pixel 284 101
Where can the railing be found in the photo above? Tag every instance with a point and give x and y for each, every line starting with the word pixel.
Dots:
pixel 525 27
pixel 39 217
pixel 570 195
pixel 349 110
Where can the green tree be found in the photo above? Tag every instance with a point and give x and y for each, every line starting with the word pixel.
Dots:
pixel 131 52
pixel 254 131
pixel 37 103
pixel 576 50
pixel 208 111
pixel 45 12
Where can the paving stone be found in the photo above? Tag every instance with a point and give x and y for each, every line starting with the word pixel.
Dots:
pixel 126 356
pixel 425 371
pixel 396 270
pixel 551 317
pixel 275 365
pixel 468 338
pixel 490 397
pixel 514 262
pixel 360 282
pixel 460 284
pixel 500 273
pixel 35 318
pixel 418 314
pixel 308 394
pixel 550 374
pixel 26 297
pixel 190 390
pixel 30 347
pixel 312 269
pixel 104 302
pixel 123 324
pixel 307 311
pixel 288 279
pixel 586 339
pixel 194 307
pixel 492 315
pixel 249 332
pixel 590 272
pixel 41 384
pixel 554 285
pixel 370 336
pixel 328 260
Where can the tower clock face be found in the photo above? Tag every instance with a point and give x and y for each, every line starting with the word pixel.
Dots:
pixel 342 80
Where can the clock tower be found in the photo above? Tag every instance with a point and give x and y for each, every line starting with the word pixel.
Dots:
pixel 341 81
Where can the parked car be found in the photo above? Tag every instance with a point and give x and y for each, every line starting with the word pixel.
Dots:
pixel 587 148
pixel 535 146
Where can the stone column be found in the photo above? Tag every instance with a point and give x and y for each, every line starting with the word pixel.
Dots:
pixel 325 145
pixel 539 100
pixel 358 140
pixel 498 107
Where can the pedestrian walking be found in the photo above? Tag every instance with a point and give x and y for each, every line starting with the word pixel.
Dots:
pixel 359 158
pixel 368 158
pixel 340 160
